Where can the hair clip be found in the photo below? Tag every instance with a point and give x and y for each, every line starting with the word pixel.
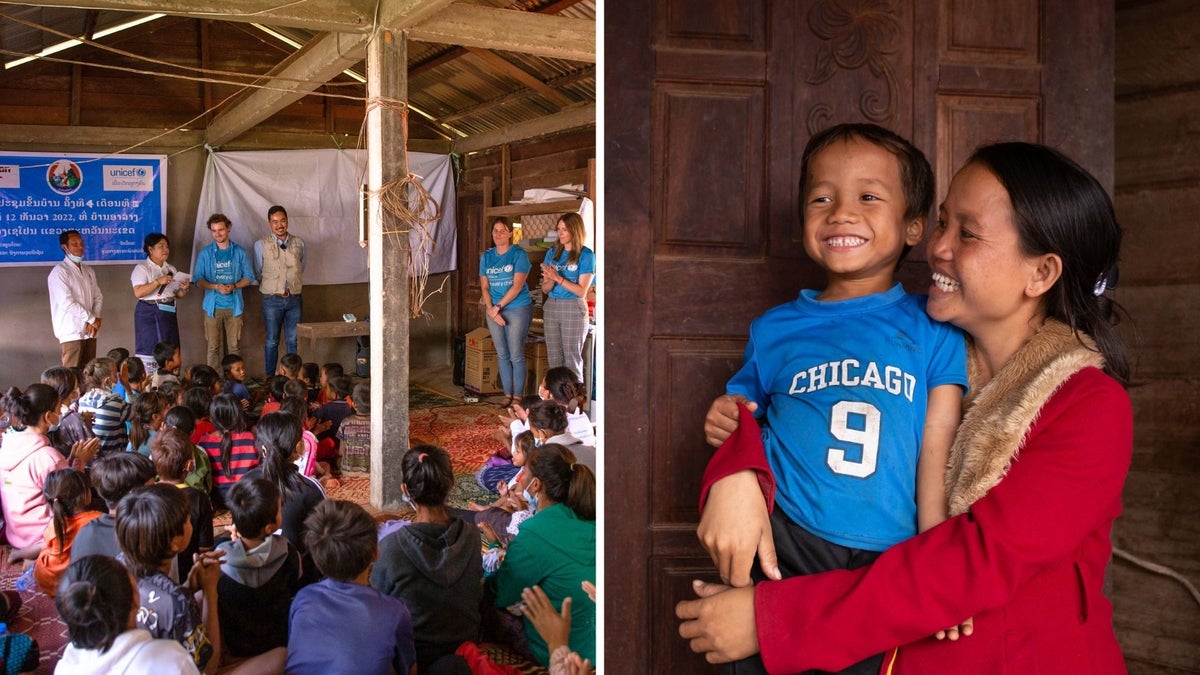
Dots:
pixel 1107 280
pixel 421 457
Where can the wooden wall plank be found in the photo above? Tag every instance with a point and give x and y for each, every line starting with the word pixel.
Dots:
pixel 1161 237
pixel 1164 331
pixel 1155 46
pixel 1157 140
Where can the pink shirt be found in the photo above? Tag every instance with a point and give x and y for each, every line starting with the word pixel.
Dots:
pixel 26 458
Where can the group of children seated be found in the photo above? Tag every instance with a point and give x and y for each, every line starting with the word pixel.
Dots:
pixel 109 480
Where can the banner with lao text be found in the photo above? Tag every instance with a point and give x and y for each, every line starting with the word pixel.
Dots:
pixel 114 201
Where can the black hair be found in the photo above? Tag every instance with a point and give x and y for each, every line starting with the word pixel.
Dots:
pixel 296 406
pixel 275 385
pixel 291 362
pixel 254 504
pixel 203 375
pixel 276 209
pixel 310 373
pixel 67 491
pixel 148 518
pixel 225 413
pixel 118 354
pixel 171 389
pixel 152 240
pixel 1060 208
pixel 197 399
pixel 916 175
pixel 115 474
pixel 171 450
pixel 528 400
pixel 565 480
pixel 295 388
pixel 341 385
pixel 62 379
pixel 566 389
pixel 428 474
pixel 135 369
pixel 182 418
pixel 332 370
pixel 163 351
pixel 145 407
pixel 277 435
pixel 65 236
pixel 95 600
pixel 547 416
pixel 341 537
pixel 26 408
pixel 526 442
pixel 361 398
pixel 228 362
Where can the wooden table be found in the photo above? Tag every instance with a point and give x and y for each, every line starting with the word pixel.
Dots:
pixel 329 329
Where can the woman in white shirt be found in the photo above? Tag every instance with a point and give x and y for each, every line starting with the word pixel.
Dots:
pixel 156 288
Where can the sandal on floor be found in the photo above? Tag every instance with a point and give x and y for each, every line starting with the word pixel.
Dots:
pixel 507 402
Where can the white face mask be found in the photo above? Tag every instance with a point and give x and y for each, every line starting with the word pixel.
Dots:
pixel 75 258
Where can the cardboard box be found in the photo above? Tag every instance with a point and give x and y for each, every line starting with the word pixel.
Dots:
pixel 480 339
pixel 536 365
pixel 482 372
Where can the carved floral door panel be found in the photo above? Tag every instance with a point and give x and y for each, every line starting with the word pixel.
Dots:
pixel 708 106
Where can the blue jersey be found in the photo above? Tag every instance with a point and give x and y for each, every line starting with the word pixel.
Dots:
pixel 499 270
pixel 844 388
pixel 571 271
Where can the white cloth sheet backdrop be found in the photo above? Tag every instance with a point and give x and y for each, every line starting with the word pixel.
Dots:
pixel 320 190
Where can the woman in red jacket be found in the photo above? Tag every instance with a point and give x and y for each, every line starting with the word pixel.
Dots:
pixel 1025 248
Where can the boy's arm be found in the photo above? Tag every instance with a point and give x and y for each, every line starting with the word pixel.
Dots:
pixel 942 415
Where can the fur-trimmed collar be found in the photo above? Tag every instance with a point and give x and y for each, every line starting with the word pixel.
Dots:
pixel 1000 416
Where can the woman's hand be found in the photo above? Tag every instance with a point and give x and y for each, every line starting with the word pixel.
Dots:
pixel 735 525
pixel 85 450
pixel 495 315
pixel 722 418
pixel 965 629
pixel 720 624
pixel 554 627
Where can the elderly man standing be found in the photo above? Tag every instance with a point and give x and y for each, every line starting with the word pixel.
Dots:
pixel 279 258
pixel 75 302
pixel 222 270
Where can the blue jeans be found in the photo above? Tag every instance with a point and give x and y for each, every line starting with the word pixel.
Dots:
pixel 510 347
pixel 280 312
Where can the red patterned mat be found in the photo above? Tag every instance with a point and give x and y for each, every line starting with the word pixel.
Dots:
pixel 464 430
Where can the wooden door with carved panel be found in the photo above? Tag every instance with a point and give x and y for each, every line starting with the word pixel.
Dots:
pixel 708 106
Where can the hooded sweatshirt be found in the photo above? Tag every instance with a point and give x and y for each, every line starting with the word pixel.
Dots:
pixel 557 551
pixel 134 652
pixel 25 460
pixel 254 594
pixel 436 571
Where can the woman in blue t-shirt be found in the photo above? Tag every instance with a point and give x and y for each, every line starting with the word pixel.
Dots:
pixel 502 273
pixel 566 275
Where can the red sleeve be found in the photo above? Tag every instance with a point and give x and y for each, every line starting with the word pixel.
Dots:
pixel 1064 486
pixel 742 450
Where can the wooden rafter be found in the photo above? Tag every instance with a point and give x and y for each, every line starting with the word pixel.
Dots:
pixel 503 65
pixel 568 119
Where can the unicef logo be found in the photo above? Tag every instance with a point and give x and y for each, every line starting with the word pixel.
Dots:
pixel 64 177
pixel 508 268
pixel 141 173
pixel 572 268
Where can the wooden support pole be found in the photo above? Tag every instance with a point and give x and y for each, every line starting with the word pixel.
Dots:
pixel 387 161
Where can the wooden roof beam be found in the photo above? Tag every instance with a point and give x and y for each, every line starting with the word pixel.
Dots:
pixel 574 118
pixel 313 65
pixel 503 65
pixel 555 37
pixel 452 23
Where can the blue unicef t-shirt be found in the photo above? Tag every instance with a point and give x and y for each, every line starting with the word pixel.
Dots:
pixel 499 270
pixel 223 274
pixel 571 271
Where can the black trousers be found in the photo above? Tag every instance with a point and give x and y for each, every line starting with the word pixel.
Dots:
pixel 802 552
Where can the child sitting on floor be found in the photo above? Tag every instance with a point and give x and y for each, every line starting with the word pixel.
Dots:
pixel 69 493
pixel 340 624
pixel 230 447
pixel 200 476
pixel 198 399
pixel 354 432
pixel 334 411
pixel 307 461
pixel 72 426
pixel 433 564
pixel 311 374
pixel 152 528
pixel 329 372
pixel 206 377
pixel 260 572
pixel 109 411
pixel 275 393
pixel 166 355
pixel 173 454
pixel 234 370
pixel 149 412
pixel 98 601
pixel 290 365
pixel 113 476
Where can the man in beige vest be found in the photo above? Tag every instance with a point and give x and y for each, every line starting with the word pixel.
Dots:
pixel 279 261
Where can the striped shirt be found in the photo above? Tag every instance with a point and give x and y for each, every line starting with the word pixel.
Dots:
pixel 110 414
pixel 242 456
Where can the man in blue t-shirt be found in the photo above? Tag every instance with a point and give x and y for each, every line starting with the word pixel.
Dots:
pixel 222 270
